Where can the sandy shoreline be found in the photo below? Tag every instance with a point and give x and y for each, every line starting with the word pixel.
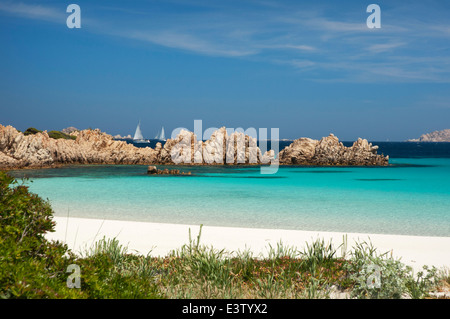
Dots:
pixel 159 239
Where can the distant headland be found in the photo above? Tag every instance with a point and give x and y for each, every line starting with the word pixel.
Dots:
pixel 436 136
pixel 37 149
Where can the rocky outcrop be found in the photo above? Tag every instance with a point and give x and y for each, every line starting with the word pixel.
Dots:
pixel 329 151
pixel 436 136
pixel 96 147
pixel 89 147
pixel 234 149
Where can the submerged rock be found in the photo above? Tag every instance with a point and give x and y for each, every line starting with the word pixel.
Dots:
pixel 153 170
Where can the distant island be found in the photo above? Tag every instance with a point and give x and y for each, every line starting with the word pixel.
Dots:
pixel 436 136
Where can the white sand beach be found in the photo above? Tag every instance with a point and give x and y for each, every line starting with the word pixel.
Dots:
pixel 159 239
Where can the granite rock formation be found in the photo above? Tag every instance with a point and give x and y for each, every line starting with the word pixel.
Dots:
pixel 329 151
pixel 221 148
pixel 96 147
pixel 90 147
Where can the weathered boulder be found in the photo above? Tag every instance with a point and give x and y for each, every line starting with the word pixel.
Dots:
pixel 329 151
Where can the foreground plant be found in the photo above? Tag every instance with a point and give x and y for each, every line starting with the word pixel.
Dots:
pixel 30 266
pixel 381 276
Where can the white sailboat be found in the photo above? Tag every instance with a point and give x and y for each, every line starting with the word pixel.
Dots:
pixel 138 138
pixel 161 136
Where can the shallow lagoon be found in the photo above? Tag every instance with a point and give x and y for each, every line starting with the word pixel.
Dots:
pixel 411 197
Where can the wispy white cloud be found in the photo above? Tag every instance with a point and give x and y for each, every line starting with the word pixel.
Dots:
pixel 296 47
pixel 302 64
pixel 384 47
pixel 324 24
pixel 441 30
pixel 187 42
pixel 384 71
pixel 33 11
pixel 334 48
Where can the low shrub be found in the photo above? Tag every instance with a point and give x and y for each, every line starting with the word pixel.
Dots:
pixel 51 134
pixel 30 265
pixel 58 135
pixel 31 131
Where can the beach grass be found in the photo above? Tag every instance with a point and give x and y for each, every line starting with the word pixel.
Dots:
pixel 196 271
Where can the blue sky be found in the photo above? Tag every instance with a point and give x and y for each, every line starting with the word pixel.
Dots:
pixel 306 67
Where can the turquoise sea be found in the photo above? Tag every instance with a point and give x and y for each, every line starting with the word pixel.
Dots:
pixel 411 196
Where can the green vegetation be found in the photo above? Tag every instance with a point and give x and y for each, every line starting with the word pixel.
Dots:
pixel 33 267
pixel 57 134
pixel 30 266
pixel 31 131
pixel 52 134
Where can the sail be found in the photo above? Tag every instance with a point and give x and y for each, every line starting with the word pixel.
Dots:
pixel 138 133
pixel 161 136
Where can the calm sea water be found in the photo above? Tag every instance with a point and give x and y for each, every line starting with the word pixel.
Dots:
pixel 411 196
